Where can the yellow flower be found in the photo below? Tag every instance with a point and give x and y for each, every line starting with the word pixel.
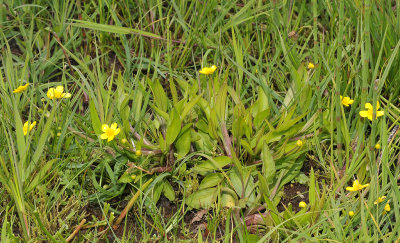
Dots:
pixel 387 207
pixel 26 126
pixel 346 101
pixel 124 141
pixel 57 93
pixel 109 132
pixel 138 152
pixel 377 146
pixel 299 143
pixel 21 88
pixel 208 70
pixel 356 186
pixel 370 110
pixel 311 65
pixel 302 204
pixel 351 213
pixel 380 199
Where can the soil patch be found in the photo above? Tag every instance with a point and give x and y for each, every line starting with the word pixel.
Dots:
pixel 293 194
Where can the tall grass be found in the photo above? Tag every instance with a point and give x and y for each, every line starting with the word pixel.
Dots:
pixel 196 141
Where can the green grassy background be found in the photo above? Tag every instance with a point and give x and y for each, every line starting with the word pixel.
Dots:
pixel 218 152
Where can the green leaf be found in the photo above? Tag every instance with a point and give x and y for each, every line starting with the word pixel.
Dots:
pixel 95 118
pixel 42 142
pixel 160 112
pixel 247 183
pixel 189 106
pixel 182 144
pixel 269 169
pixel 246 146
pixel 220 105
pixel 112 28
pixel 288 122
pixel 40 176
pixel 20 134
pixel 263 185
pixel 156 192
pixel 211 180
pixel 162 143
pixel 211 165
pixel 293 171
pixel 302 179
pixel 227 200
pixel 125 178
pixel 261 104
pixel 168 191
pixel 203 198
pixel 251 238
pixel 173 128
pixel 312 192
pixel 160 98
pixel 274 211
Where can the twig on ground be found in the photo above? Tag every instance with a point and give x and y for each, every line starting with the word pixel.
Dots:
pixel 76 230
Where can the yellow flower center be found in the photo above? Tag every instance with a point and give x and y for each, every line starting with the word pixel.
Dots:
pixel 370 112
pixel 110 132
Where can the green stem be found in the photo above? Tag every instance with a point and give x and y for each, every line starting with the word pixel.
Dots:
pixel 36 214
pixel 130 203
pixel 337 81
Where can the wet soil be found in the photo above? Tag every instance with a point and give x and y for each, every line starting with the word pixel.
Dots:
pixel 293 195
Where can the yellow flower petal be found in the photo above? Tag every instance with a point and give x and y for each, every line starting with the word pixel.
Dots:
pixel 26 125
pixel 104 136
pixel 380 113
pixel 21 88
pixel 104 127
pixel 302 204
pixel 364 113
pixel 110 138
pixel 208 70
pixel 299 143
pixel 380 199
pixel 50 93
pixel 356 186
pixel 114 125
pixel 32 125
pixel 57 93
pixel 346 101
pixel 117 131
pixel 60 89
pixel 368 106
